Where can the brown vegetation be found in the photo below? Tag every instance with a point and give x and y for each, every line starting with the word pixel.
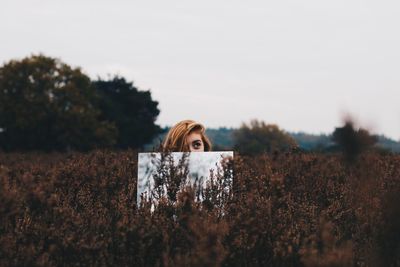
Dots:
pixel 287 209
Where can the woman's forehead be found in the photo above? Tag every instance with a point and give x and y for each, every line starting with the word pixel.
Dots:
pixel 195 135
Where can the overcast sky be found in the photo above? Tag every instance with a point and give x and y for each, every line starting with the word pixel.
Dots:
pixel 299 64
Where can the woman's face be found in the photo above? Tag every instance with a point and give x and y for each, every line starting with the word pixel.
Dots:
pixel 195 142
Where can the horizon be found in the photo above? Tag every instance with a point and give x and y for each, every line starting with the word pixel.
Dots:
pixel 297 132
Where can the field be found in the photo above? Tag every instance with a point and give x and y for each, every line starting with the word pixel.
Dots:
pixel 285 209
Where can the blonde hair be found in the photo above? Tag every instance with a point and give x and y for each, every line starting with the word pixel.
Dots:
pixel 176 137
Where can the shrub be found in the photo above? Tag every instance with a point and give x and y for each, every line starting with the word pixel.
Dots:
pixel 286 209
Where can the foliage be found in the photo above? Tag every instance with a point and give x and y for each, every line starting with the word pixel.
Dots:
pixel 259 137
pixel 222 138
pixel 286 209
pixel 388 144
pixel 313 142
pixel 47 105
pixel 132 111
pixel 353 141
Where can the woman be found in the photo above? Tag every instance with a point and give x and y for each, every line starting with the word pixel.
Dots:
pixel 186 136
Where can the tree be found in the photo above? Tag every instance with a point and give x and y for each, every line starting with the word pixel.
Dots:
pixel 47 105
pixel 259 137
pixel 353 141
pixel 133 111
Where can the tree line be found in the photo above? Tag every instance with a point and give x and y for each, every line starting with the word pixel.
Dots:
pixel 48 105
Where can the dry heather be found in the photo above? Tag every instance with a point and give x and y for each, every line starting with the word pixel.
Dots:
pixel 290 209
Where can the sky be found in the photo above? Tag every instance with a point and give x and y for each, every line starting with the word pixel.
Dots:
pixel 303 65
